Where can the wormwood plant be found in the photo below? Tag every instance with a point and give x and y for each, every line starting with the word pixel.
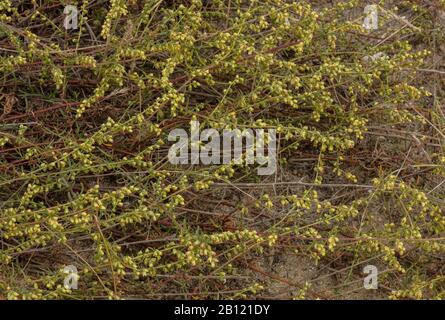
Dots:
pixel 85 179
